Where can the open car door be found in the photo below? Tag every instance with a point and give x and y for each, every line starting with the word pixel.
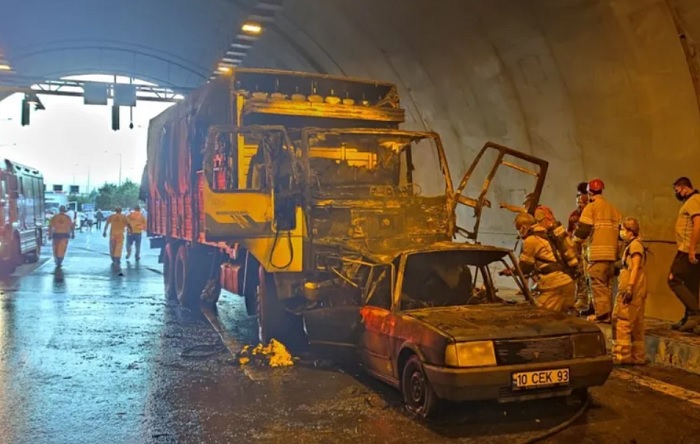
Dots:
pixel 489 160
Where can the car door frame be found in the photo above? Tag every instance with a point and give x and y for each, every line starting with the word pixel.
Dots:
pixel 375 342
pixel 478 203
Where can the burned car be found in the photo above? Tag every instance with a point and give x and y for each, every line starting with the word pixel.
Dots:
pixel 441 322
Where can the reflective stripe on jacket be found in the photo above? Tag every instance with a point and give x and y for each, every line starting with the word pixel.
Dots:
pixel 605 221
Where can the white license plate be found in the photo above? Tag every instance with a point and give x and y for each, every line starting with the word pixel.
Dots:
pixel 541 378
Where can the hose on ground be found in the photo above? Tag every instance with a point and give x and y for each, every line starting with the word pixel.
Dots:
pixel 554 430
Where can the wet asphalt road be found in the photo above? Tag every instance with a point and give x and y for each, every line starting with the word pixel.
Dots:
pixel 90 356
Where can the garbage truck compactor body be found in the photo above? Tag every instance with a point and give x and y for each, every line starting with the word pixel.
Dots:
pixel 286 187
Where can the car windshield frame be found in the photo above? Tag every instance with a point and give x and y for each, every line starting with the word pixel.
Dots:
pixel 412 137
pixel 489 295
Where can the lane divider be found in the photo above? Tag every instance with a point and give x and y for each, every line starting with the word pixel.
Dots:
pixel 656 385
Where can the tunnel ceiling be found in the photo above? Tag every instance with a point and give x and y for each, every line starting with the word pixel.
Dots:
pixel 598 87
pixel 169 42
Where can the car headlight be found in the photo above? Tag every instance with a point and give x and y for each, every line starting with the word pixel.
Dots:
pixel 588 345
pixel 470 354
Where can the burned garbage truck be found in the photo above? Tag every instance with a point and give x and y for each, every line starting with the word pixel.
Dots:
pixel 289 189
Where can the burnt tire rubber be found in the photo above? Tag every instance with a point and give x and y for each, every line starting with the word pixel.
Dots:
pixel 191 275
pixel 169 252
pixel 418 395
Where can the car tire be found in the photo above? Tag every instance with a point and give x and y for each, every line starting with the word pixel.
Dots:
pixel 418 395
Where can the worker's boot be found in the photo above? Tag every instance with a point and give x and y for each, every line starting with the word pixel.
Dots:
pixel 680 323
pixel 690 323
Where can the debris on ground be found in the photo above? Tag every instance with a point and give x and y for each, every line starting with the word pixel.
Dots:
pixel 274 354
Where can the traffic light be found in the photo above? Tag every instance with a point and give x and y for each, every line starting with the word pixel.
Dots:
pixel 26 106
pixel 115 117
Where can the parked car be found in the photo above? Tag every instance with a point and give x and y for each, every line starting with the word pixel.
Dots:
pixel 440 323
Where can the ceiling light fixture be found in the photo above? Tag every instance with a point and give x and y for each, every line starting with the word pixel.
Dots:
pixel 4 67
pixel 251 28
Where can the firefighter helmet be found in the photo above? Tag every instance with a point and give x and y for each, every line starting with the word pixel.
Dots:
pixel 582 188
pixel 524 220
pixel 596 186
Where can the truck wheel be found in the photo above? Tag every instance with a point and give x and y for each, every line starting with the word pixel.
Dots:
pixel 268 312
pixel 191 274
pixel 34 256
pixel 211 292
pixel 274 322
pixel 169 270
pixel 418 394
pixel 250 285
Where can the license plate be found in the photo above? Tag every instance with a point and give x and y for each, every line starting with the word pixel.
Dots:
pixel 541 378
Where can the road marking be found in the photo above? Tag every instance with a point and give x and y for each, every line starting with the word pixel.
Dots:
pixel 659 386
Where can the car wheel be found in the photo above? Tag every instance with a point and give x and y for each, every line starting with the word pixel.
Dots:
pixel 418 394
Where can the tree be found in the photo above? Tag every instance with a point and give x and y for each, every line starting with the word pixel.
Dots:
pixel 110 195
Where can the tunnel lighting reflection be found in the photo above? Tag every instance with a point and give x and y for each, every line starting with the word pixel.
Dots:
pixel 252 28
pixel 224 69
pixel 4 67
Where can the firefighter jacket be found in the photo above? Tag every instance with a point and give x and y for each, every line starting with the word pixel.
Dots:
pixel 60 226
pixel 538 257
pixel 599 225
pixel 137 222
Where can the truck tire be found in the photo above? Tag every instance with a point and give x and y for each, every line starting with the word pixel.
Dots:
pixel 274 322
pixel 269 314
pixel 14 260
pixel 250 284
pixel 169 270
pixel 191 274
pixel 33 257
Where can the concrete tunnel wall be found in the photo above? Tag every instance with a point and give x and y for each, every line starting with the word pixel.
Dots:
pixel 600 88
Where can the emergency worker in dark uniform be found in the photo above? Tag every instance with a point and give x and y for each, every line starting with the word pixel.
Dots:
pixel 582 285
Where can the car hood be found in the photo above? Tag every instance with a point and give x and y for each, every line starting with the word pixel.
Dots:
pixel 473 323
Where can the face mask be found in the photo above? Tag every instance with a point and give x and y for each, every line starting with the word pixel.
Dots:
pixel 679 196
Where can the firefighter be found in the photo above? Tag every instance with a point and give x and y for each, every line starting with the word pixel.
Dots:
pixel 60 230
pixel 524 208
pixel 598 227
pixel 556 288
pixel 684 277
pixel 119 223
pixel 628 316
pixel 582 285
pixel 137 223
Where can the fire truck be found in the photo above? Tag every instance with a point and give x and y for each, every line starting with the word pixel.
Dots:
pixel 21 213
pixel 280 186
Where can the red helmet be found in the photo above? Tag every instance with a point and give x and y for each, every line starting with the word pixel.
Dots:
pixel 596 186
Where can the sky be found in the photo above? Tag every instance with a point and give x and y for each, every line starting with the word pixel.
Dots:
pixel 73 144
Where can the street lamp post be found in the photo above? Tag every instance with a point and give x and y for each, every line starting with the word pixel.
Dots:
pixel 120 164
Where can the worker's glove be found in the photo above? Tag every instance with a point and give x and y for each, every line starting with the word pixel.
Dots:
pixel 627 296
pixel 104 234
